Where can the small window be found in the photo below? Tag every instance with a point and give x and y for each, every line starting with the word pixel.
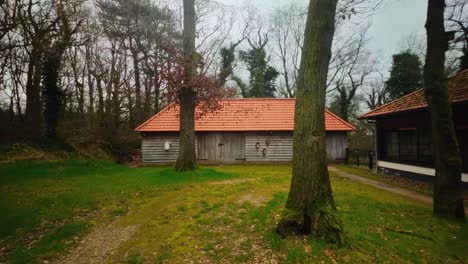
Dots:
pixel 391 145
pixel 425 146
pixel 408 145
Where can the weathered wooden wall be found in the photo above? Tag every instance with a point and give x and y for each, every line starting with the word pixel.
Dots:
pixel 220 147
pixel 337 142
pixel 152 148
pixel 280 146
pixel 267 147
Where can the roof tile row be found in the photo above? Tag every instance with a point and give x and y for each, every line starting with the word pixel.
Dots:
pixel 253 114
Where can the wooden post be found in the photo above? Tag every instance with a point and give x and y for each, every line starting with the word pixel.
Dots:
pixel 357 151
pixel 347 156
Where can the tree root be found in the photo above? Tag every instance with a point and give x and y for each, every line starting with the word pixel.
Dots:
pixel 323 224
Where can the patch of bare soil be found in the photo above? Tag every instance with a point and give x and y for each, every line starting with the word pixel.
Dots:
pixel 256 200
pixel 97 246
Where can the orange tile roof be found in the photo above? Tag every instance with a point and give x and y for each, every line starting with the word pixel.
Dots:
pixel 252 114
pixel 457 89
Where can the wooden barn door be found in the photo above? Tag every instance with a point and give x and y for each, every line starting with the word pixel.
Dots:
pixel 233 145
pixel 221 147
pixel 208 147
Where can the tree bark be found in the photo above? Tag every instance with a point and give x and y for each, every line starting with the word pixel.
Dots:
pixel 448 198
pixel 100 108
pixel 136 73
pixel 53 94
pixel 148 88
pixel 187 159
pixel 90 80
pixel 33 115
pixel 310 208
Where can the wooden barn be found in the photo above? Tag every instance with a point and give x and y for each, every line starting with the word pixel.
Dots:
pixel 243 130
pixel 403 132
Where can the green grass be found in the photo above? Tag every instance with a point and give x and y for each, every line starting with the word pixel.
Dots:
pixel 35 197
pixel 50 244
pixel 371 174
pixel 221 214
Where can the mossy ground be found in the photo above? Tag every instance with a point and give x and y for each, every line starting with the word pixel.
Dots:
pixel 223 214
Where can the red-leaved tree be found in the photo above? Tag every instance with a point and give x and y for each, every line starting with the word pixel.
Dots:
pixel 190 91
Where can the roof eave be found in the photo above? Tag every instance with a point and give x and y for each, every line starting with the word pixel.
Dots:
pixel 369 115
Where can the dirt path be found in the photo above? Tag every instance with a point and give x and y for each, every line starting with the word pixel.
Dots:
pixel 109 243
pixel 97 246
pixel 384 186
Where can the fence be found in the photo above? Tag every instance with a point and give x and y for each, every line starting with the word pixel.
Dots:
pixel 360 157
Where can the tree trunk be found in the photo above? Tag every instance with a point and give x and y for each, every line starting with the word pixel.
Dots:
pixel 187 159
pixel 157 89
pixel 464 57
pixel 115 101
pixel 310 208
pixel 33 93
pixel 90 81
pixel 100 108
pixel 91 98
pixel 136 72
pixel 148 87
pixel 448 198
pixel 52 92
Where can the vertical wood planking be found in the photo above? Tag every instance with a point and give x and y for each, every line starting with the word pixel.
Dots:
pixel 337 142
pixel 233 147
pixel 278 149
pixel 237 147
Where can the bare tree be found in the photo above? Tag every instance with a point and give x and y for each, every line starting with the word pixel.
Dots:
pixel 375 94
pixel 456 17
pixel 356 68
pixel 285 26
pixel 414 43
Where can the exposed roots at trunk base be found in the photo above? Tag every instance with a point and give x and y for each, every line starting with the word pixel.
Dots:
pixel 323 224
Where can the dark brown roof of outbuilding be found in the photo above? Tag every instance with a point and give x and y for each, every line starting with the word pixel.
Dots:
pixel 457 89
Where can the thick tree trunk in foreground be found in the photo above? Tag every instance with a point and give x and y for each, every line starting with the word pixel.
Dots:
pixel 448 199
pixel 310 208
pixel 187 159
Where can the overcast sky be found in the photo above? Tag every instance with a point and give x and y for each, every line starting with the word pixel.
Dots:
pixel 395 20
